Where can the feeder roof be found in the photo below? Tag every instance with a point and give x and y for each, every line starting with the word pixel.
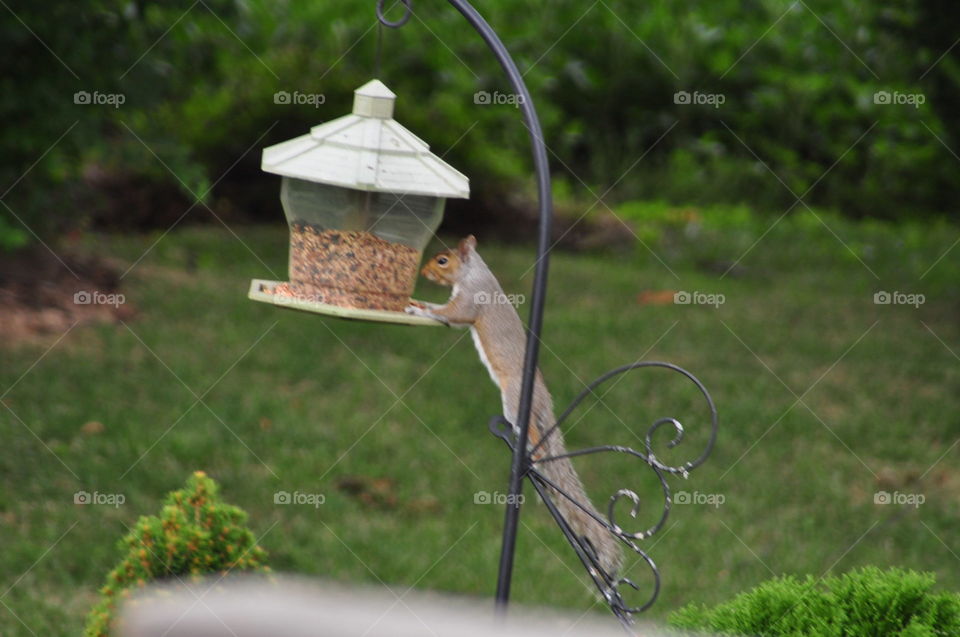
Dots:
pixel 367 150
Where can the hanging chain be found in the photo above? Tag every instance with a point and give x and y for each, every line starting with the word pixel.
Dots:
pixel 376 64
pixel 382 21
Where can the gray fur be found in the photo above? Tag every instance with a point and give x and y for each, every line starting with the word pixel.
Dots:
pixel 500 339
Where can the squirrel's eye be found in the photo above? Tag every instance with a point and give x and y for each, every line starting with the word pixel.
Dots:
pixel 442 260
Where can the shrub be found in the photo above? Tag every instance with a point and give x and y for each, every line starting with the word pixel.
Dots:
pixel 863 602
pixel 195 534
pixel 199 84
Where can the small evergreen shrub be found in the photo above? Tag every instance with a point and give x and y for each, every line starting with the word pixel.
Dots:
pixel 195 534
pixel 867 602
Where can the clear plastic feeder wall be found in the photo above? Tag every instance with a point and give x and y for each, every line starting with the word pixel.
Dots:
pixel 356 248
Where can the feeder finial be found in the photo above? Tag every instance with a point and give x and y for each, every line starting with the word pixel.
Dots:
pixel 374 99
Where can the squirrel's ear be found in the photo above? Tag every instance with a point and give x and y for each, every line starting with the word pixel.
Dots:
pixel 467 245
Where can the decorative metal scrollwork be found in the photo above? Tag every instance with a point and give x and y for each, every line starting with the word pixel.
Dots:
pixel 607 584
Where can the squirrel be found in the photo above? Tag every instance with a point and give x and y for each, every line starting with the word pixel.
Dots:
pixel 478 302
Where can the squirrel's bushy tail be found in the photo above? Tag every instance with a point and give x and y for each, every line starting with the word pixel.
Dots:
pixel 561 473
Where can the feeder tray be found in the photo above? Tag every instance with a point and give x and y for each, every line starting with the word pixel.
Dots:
pixel 262 290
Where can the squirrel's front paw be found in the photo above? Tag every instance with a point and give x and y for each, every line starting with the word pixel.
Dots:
pixel 416 310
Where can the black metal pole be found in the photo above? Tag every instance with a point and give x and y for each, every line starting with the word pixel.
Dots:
pixel 520 455
pixel 521 466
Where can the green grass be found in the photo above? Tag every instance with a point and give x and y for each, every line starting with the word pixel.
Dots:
pixel 296 402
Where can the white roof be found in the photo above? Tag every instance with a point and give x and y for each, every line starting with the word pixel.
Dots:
pixel 367 150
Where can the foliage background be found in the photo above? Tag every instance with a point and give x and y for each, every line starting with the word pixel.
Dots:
pixel 198 80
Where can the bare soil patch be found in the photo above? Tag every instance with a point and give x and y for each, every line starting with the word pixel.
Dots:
pixel 41 294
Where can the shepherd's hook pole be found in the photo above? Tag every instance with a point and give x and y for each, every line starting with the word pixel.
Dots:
pixel 520 461
pixel 520 453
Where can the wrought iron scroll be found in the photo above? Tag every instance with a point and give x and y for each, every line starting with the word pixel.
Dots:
pixel 609 585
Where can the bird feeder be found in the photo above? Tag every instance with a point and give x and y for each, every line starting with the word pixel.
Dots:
pixel 362 196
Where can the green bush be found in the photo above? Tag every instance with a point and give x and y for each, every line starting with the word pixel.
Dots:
pixel 195 534
pixel 11 236
pixel 199 80
pixel 864 603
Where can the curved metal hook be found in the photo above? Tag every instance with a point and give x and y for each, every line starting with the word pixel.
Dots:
pixel 683 469
pixel 408 11
pixel 635 510
pixel 677 426
pixel 607 584
pixel 520 461
pixel 622 610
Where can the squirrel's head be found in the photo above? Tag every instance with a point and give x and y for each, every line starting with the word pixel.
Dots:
pixel 446 267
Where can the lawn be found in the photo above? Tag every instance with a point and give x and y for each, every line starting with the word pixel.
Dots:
pixel 825 397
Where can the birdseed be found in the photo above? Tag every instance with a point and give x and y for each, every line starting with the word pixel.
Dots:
pixel 349 269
